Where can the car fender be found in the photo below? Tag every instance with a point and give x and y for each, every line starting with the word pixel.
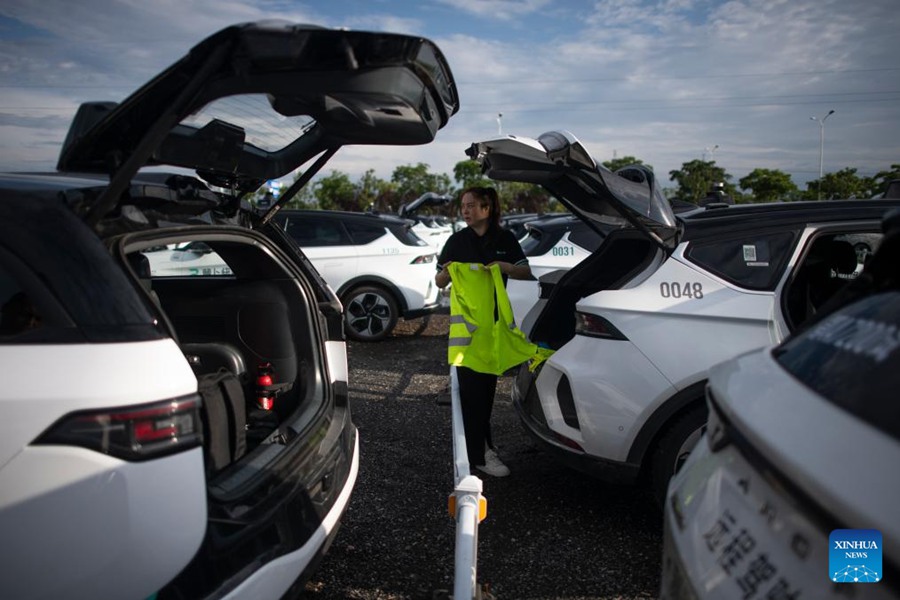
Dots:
pixel 664 413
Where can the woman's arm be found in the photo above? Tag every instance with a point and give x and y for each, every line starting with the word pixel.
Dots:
pixel 521 271
pixel 442 279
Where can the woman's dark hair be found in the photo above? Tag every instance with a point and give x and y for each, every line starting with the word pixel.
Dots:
pixel 487 196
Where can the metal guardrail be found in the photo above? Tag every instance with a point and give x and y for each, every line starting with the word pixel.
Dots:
pixel 467 506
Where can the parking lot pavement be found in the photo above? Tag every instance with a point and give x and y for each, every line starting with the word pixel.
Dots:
pixel 550 533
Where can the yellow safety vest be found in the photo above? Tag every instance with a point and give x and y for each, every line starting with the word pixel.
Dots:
pixel 477 340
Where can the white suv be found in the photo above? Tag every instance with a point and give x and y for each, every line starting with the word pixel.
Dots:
pixel 637 324
pixel 801 442
pixel 189 437
pixel 378 266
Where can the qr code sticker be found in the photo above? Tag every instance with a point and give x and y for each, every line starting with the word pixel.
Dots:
pixel 749 253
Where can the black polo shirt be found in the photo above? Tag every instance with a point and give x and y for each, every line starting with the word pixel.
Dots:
pixel 496 244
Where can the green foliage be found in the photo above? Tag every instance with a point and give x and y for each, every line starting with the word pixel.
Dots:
pixel 467 173
pixel 693 182
pixel 768 185
pixel 336 192
pixel 842 184
pixel 695 179
pixel 617 163
pixel 375 193
pixel 411 181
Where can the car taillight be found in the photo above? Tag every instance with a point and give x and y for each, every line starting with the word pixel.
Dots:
pixel 594 326
pixel 424 259
pixel 133 433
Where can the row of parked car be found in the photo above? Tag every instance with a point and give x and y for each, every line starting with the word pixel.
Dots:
pixel 169 436
pixel 751 350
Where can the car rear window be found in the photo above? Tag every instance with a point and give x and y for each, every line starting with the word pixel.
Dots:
pixel 407 236
pixel 852 359
pixel 753 261
pixel 364 233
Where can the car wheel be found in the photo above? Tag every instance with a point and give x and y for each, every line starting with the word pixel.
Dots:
pixel 673 449
pixel 370 313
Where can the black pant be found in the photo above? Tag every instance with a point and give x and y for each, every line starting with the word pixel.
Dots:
pixel 476 398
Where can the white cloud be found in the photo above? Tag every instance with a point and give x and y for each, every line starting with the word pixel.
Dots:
pixel 660 80
pixel 501 10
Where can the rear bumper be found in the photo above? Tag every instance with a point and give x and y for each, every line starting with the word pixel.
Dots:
pixel 527 403
pixel 263 541
pixel 291 570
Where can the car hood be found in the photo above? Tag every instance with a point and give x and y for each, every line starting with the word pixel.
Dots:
pixel 560 163
pixel 255 101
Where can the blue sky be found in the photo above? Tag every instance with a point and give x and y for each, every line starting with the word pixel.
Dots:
pixel 666 81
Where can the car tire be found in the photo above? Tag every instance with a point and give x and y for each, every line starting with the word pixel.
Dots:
pixel 370 313
pixel 673 448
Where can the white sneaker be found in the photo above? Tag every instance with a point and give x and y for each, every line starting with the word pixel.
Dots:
pixel 493 465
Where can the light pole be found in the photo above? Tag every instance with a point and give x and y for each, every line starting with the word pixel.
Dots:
pixel 821 123
pixel 711 152
pixel 499 124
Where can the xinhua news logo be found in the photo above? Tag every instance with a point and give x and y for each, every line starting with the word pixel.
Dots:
pixel 854 556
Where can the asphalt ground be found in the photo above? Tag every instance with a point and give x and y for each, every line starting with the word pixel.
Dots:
pixel 550 532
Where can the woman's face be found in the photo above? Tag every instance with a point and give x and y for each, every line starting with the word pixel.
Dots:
pixel 473 211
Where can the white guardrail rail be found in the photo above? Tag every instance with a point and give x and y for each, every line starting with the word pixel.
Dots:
pixel 466 505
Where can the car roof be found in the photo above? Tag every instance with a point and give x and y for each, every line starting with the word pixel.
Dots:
pixel 777 215
pixel 315 89
pixel 346 215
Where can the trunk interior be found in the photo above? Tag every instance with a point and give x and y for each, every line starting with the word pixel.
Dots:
pixel 273 462
pixel 623 255
pixel 245 326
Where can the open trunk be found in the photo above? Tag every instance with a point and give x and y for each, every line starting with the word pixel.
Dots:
pixel 622 256
pixel 251 327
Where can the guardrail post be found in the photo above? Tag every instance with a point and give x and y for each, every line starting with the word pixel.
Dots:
pixel 467 506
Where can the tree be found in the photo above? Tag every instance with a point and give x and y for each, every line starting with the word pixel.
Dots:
pixel 522 197
pixel 617 163
pixel 841 184
pixel 769 185
pixel 336 192
pixel 411 181
pixel 467 173
pixel 695 179
pixel 375 193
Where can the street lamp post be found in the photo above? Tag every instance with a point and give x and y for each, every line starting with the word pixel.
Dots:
pixel 821 123
pixel 499 124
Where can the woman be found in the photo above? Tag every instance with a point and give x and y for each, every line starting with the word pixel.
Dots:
pixel 484 242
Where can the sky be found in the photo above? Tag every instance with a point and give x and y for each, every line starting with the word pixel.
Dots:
pixel 666 81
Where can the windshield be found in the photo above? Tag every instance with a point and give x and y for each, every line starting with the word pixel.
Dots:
pixel 852 358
